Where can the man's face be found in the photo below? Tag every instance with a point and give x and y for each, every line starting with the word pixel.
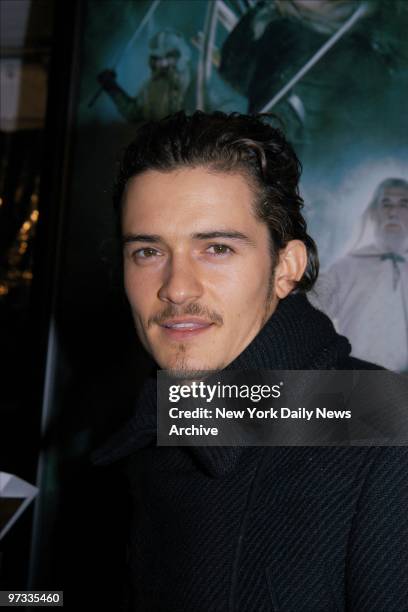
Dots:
pixel 392 216
pixel 197 266
pixel 166 51
pixel 162 64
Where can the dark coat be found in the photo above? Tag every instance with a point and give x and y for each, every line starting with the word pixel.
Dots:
pixel 252 529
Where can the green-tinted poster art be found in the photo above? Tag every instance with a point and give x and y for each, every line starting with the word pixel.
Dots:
pixel 163 57
pixel 334 71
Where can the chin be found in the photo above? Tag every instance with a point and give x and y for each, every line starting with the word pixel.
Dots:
pixel 189 368
pixel 179 357
pixel 392 228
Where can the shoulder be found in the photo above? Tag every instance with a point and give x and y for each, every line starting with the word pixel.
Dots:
pixel 383 498
pixel 387 471
pixel 362 256
pixel 343 261
pixel 346 267
pixel 374 475
pixel 378 544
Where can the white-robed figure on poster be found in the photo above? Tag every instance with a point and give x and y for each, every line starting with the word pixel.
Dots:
pixel 365 292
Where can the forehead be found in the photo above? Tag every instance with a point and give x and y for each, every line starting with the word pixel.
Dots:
pixel 164 42
pixel 395 192
pixel 189 200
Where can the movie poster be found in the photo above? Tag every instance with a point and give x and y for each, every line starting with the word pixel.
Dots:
pixel 333 71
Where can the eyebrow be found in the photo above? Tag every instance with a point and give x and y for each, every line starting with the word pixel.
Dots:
pixel 128 238
pixel 228 234
pixel 155 238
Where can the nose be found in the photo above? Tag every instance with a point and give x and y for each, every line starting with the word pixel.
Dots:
pixel 181 282
pixel 392 211
pixel 162 62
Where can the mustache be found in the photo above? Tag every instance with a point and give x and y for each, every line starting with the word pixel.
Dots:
pixel 195 309
pixel 392 222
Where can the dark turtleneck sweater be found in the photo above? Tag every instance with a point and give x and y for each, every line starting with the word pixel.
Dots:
pixel 252 529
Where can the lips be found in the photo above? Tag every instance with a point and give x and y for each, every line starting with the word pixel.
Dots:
pixel 186 324
pixel 393 224
pixel 185 328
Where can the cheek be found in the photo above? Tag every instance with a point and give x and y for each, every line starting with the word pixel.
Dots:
pixel 130 284
pixel 243 291
pixel 404 217
pixel 139 290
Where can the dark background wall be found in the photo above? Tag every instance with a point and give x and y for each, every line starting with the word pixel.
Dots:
pixel 70 367
pixel 70 364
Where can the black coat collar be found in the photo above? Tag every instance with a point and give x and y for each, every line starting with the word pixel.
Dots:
pixel 296 337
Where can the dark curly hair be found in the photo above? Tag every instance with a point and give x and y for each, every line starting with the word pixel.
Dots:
pixel 233 143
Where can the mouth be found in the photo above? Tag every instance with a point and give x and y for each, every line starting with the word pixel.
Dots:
pixel 393 226
pixel 183 329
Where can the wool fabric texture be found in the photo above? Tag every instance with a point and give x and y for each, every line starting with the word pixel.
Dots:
pixel 265 529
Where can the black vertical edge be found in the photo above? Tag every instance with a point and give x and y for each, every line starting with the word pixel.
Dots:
pixel 54 185
pixel 63 85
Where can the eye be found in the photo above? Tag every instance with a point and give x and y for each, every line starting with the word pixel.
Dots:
pixel 219 249
pixel 145 253
pixel 173 54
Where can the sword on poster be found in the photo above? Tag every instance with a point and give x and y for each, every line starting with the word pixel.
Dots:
pixel 362 10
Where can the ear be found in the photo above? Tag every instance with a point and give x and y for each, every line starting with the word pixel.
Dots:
pixel 290 268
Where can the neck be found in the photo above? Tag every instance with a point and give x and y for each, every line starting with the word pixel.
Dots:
pixel 296 337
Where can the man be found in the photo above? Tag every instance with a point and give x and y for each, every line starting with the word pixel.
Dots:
pixel 166 89
pixel 273 41
pixel 216 263
pixel 366 291
pixel 171 85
